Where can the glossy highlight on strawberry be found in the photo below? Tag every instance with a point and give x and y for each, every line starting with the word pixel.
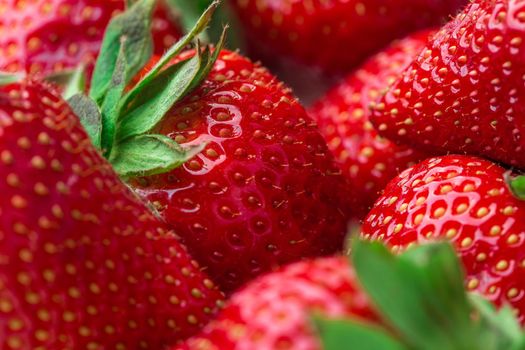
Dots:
pixel 464 200
pixel 463 93
pixel 368 160
pixel 264 191
pixel 83 263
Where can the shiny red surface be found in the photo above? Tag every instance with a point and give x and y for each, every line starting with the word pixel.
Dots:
pixel 466 200
pixel 464 93
pixel 265 190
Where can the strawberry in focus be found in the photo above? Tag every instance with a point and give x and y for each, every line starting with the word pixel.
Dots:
pixel 264 191
pixel 368 160
pixel 464 200
pixel 335 35
pixel 84 263
pixel 46 37
pixel 462 93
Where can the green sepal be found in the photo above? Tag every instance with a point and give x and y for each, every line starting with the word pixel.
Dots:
pixel 156 101
pixel 420 294
pixel 72 82
pixel 135 25
pixel 165 90
pixel 339 334
pixel 516 185
pixel 176 49
pixel 112 101
pixel 10 78
pixel 146 155
pixel 90 117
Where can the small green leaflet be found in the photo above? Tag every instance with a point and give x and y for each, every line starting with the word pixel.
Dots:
pixel 146 155
pixel 9 78
pixel 87 111
pixel 516 185
pixel 350 335
pixel 134 24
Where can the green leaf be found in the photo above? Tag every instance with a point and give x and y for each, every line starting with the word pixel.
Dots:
pixel 112 102
pixel 421 294
pixel 177 48
pixel 348 334
pixel 146 155
pixel 73 81
pixel 9 78
pixel 87 111
pixel 516 184
pixel 135 25
pixel 156 101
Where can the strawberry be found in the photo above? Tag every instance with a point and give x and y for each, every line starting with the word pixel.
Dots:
pixel 264 191
pixel 461 94
pixel 84 264
pixel 272 312
pixel 418 296
pixel 464 200
pixel 367 160
pixel 46 37
pixel 330 34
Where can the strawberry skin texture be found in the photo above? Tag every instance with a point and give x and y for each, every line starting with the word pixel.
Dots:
pixel 44 37
pixel 273 312
pixel 462 93
pixel 330 34
pixel 84 264
pixel 368 160
pixel 265 191
pixel 466 200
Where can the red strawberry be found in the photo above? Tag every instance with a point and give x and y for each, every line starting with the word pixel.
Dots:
pixel 83 264
pixel 45 36
pixel 467 201
pixel 273 312
pixel 265 190
pixel 336 35
pixel 368 160
pixel 462 93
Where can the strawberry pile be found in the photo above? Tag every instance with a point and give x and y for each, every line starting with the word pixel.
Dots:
pixel 163 189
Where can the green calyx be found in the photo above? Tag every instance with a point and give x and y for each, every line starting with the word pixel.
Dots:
pixel 119 118
pixel 9 78
pixel 423 304
pixel 516 185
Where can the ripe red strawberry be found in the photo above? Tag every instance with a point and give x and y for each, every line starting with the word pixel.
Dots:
pixel 45 36
pixel 367 160
pixel 265 190
pixel 466 200
pixel 336 35
pixel 273 312
pixel 462 94
pixel 83 263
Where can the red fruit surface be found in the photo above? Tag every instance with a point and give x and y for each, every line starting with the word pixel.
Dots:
pixel 45 36
pixel 83 263
pixel 463 94
pixel 368 160
pixel 465 200
pixel 265 191
pixel 336 35
pixel 274 311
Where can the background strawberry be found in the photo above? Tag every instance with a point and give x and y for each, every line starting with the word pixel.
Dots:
pixel 368 160
pixel 465 200
pixel 462 94
pixel 83 263
pixel 273 312
pixel 48 36
pixel 331 34
pixel 264 191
